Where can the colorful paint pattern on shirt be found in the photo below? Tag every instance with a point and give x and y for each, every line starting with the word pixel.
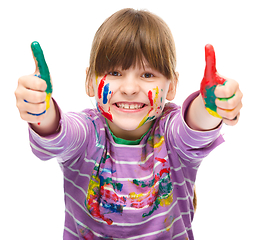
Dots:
pixel 105 195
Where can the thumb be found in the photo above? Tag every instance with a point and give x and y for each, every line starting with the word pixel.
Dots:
pixel 41 65
pixel 210 59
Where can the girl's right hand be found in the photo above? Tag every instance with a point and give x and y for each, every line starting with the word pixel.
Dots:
pixel 30 98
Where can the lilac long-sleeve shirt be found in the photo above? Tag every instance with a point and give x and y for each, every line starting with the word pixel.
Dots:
pixel 117 189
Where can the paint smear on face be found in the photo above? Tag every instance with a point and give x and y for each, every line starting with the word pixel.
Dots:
pixel 107 115
pixel 101 85
pixel 150 97
pixel 152 101
pixel 156 95
pixel 105 93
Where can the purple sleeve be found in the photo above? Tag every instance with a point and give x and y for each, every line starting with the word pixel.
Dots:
pixel 67 143
pixel 191 145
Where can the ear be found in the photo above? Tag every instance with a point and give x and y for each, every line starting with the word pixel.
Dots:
pixel 172 88
pixel 89 84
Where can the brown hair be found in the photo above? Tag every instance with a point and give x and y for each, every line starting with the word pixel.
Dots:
pixel 127 38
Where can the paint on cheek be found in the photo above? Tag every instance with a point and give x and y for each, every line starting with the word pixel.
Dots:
pixel 150 97
pixel 101 85
pixel 107 115
pixel 156 95
pixel 105 93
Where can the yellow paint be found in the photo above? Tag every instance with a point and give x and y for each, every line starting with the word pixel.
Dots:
pixel 156 89
pixel 143 120
pixel 136 196
pixel 214 114
pixel 48 101
pixel 96 79
pixel 159 143
pixel 166 201
pixel 156 95
pixel 94 183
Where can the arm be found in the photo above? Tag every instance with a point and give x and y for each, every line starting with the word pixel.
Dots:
pixel 198 118
pixel 49 125
pixel 220 99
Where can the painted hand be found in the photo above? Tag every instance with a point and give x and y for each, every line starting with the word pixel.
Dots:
pixel 33 92
pixel 222 96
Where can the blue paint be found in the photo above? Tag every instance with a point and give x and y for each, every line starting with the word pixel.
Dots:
pixel 107 170
pixel 117 208
pixel 36 114
pixel 105 93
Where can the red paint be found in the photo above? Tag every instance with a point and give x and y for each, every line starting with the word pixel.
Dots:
pixel 162 160
pixel 210 77
pixel 150 97
pixel 101 85
pixel 164 170
pixel 39 123
pixel 107 115
pixel 95 212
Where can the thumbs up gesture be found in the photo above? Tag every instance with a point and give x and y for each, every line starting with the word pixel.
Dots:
pixel 33 92
pixel 222 96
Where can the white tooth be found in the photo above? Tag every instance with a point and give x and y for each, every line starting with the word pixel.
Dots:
pixel 126 106
pixel 132 107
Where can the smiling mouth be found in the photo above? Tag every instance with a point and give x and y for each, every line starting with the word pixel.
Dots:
pixel 130 106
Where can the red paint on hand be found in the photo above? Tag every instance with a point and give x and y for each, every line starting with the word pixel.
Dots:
pixel 210 77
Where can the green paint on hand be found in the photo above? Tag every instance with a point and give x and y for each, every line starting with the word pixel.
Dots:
pixel 42 65
pixel 226 99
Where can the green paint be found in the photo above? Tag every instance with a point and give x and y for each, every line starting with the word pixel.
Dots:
pixel 210 98
pixel 226 99
pixel 42 65
pixel 106 181
pixel 144 184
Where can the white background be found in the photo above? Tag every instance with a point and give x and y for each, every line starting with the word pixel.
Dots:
pixel 31 191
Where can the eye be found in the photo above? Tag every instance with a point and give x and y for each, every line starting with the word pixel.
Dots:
pixel 147 75
pixel 114 73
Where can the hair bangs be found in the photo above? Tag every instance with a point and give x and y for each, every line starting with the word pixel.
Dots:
pixel 131 38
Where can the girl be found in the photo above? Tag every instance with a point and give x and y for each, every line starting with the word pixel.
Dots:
pixel 130 164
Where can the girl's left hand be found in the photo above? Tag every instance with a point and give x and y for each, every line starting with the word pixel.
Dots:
pixel 229 101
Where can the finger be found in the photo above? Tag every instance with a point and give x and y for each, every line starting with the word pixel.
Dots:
pixel 231 102
pixel 31 108
pixel 226 90
pixel 32 82
pixel 32 118
pixel 230 114
pixel 210 59
pixel 232 122
pixel 41 65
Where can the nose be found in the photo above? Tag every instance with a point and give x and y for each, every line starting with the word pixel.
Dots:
pixel 129 86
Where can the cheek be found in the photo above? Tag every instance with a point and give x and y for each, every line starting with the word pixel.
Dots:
pixel 103 96
pixel 103 91
pixel 158 100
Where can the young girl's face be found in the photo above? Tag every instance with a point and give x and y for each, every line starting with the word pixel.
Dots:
pixel 131 99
